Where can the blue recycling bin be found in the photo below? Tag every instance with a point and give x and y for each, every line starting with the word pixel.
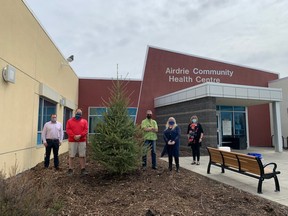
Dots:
pixel 256 155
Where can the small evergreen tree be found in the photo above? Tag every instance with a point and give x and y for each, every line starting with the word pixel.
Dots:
pixel 118 143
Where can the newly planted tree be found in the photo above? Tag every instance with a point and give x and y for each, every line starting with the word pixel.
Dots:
pixel 118 142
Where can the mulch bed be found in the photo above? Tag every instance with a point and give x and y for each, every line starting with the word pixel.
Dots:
pixel 149 192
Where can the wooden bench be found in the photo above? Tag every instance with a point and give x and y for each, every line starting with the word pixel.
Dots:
pixel 243 164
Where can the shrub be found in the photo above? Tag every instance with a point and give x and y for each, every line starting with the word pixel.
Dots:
pixel 20 195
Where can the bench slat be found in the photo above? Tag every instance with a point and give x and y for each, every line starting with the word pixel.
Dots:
pixel 216 156
pixel 249 164
pixel 230 159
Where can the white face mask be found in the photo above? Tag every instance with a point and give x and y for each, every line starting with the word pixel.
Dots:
pixel 194 120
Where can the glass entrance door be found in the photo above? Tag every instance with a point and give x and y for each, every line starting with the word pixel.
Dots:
pixel 227 128
pixel 231 127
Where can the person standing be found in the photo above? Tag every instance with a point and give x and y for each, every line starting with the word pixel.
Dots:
pixel 171 137
pixel 150 128
pixel 52 137
pixel 77 129
pixel 195 135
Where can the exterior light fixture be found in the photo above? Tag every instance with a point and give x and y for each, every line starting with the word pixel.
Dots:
pixel 9 73
pixel 62 102
pixel 68 60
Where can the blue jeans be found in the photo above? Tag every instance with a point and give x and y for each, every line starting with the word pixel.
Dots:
pixel 52 145
pixel 152 145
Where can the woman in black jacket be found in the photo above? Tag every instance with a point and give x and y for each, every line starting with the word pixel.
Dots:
pixel 195 135
pixel 171 137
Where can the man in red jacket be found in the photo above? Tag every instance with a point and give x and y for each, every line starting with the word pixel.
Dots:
pixel 77 129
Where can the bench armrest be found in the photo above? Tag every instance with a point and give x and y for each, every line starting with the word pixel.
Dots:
pixel 271 164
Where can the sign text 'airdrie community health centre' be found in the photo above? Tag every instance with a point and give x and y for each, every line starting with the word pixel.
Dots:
pixel 196 75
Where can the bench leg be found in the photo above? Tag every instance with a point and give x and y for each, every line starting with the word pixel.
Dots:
pixel 277 186
pixel 208 168
pixel 259 190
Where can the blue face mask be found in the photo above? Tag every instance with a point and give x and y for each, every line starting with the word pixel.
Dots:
pixel 78 116
pixel 171 122
pixel 194 120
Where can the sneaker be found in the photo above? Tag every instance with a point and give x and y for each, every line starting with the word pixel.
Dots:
pixel 155 168
pixel 84 172
pixel 70 172
pixel 198 163
pixel 193 163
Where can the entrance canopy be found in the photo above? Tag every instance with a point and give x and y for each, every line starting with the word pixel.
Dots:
pixel 226 94
pixel 232 95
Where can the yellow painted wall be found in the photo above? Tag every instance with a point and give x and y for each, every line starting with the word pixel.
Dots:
pixel 26 46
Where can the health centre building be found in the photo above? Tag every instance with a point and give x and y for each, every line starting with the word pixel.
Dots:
pixel 233 103
pixel 237 106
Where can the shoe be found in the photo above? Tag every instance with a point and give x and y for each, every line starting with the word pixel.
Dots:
pixel 143 168
pixel 193 163
pixel 155 168
pixel 84 172
pixel 170 168
pixel 198 163
pixel 57 168
pixel 70 172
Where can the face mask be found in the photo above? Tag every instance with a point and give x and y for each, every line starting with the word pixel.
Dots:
pixel 149 116
pixel 53 120
pixel 194 120
pixel 171 122
pixel 78 116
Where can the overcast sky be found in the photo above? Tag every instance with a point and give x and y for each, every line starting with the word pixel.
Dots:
pixel 103 33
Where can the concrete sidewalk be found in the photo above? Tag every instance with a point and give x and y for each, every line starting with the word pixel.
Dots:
pixel 247 183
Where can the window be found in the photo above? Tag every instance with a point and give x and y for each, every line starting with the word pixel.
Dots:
pixel 226 108
pixel 96 115
pixel 238 108
pixel 132 112
pixel 66 116
pixel 233 120
pixel 240 123
pixel 46 109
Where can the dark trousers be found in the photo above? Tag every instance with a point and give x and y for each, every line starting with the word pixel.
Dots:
pixel 196 151
pixel 52 145
pixel 170 150
pixel 170 159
